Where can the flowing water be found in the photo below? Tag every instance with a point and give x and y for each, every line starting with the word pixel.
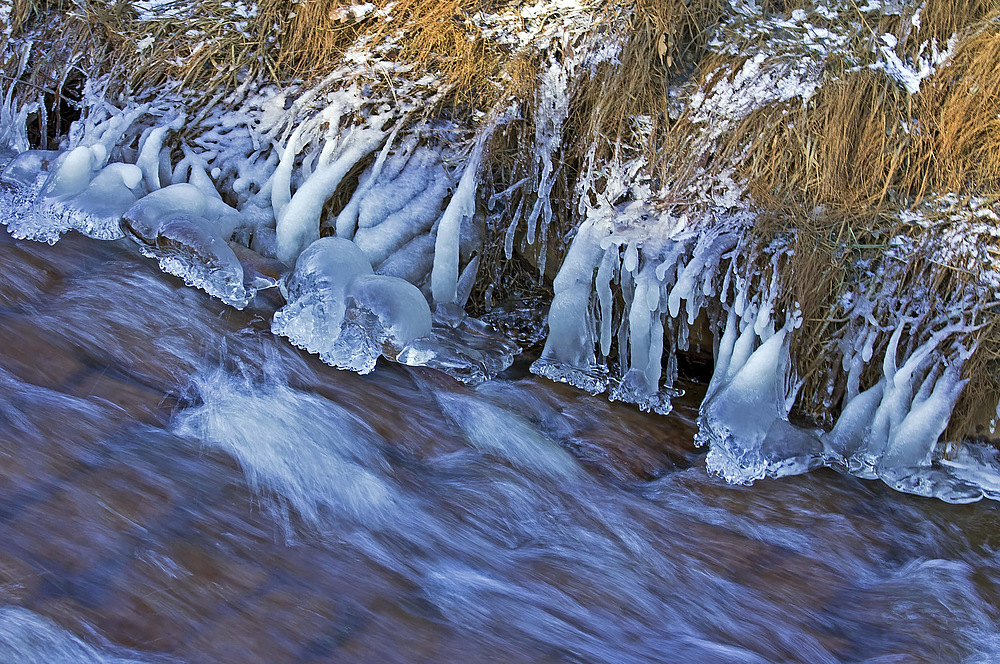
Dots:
pixel 178 485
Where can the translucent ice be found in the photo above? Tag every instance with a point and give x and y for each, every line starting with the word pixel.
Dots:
pixel 144 218
pixel 187 232
pixel 465 348
pixel 97 210
pixel 338 309
pixel 745 418
pixel 328 264
pixel 568 355
pixel 69 191
pixel 398 305
pixel 24 170
pixel 184 248
pixel 72 173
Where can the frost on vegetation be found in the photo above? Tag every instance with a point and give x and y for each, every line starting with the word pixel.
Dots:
pixel 835 29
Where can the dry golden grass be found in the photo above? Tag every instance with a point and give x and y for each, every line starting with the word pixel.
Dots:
pixel 439 36
pixel 976 407
pixel 859 150
pixel 862 141
pixel 939 19
pixel 845 148
pixel 960 107
pixel 315 38
pixel 664 39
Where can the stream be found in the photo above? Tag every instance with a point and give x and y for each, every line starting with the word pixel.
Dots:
pixel 179 485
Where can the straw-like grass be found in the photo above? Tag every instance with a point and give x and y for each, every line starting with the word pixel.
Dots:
pixel 960 107
pixel 664 40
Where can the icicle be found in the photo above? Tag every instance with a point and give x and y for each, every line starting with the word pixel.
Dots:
pixel 762 325
pixel 654 361
pixel 444 274
pixel 543 248
pixel 723 354
pixel 898 397
pixel 641 330
pixel 467 280
pixel 150 147
pixel 347 220
pixel 913 440
pixel 631 261
pixel 868 348
pixel 298 222
pixel 568 355
pixel 851 429
pixel 281 179
pixel 744 347
pixel 605 274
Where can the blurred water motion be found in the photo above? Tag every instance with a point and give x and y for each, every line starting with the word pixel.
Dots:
pixel 176 484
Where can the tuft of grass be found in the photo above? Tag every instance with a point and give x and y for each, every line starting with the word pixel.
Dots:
pixel 845 148
pixel 663 42
pixel 960 110
pixel 975 411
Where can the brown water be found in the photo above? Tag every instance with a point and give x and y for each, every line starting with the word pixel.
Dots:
pixel 178 485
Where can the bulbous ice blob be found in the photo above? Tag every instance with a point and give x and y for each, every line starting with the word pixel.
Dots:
pixel 186 249
pixel 327 263
pixel 98 209
pixel 399 306
pixel 144 218
pixel 72 173
pixel 339 309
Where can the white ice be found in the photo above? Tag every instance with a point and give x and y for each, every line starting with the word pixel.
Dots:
pixel 298 221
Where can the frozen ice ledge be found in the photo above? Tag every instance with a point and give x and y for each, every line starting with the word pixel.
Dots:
pixel 389 275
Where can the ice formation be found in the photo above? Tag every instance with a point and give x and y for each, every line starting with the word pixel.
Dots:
pixel 339 309
pixel 372 216
pixel 73 190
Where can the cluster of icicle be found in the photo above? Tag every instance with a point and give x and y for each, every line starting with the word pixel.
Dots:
pixel 666 278
pixel 362 291
pixel 300 167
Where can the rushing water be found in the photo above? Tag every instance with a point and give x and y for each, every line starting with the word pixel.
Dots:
pixel 178 485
